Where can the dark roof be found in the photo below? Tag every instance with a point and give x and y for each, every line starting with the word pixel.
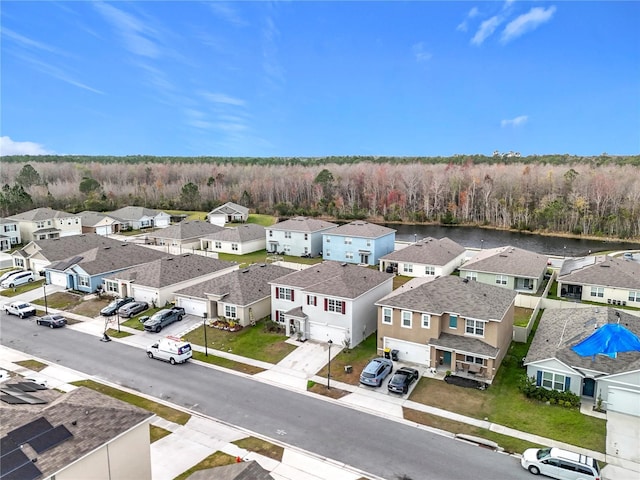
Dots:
pixel 39 214
pixel 302 224
pixel 187 230
pixel 250 470
pixel 98 419
pixel 562 328
pixel 428 251
pixel 362 229
pixel 336 279
pixel 453 294
pixel 241 287
pixel 461 344
pixel 172 269
pixel 241 233
pixel 508 261
pixel 605 271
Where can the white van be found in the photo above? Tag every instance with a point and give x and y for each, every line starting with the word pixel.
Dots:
pixel 560 464
pixel 170 349
pixel 18 278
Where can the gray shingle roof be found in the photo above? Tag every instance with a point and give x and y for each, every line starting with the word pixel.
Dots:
pixel 362 229
pixel 39 214
pixel 241 287
pixel 98 419
pixel 302 224
pixel 172 269
pixel 562 328
pixel 6 220
pixel 460 343
pixel 335 279
pixel 230 208
pixel 90 219
pixel 186 230
pixel 454 295
pixel 508 261
pixel 428 251
pixel 133 213
pixel 606 271
pixel 241 233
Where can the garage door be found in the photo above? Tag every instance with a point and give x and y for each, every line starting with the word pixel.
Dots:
pixel 143 294
pixel 58 278
pixel 104 230
pixel 624 401
pixel 192 306
pixel 409 351
pixel 323 333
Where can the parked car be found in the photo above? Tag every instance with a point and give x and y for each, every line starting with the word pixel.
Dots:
pixel 113 307
pixel 376 371
pixel 170 349
pixel 627 256
pixel 130 309
pixel 6 275
pixel 560 464
pixel 18 278
pixel 21 309
pixel 52 321
pixel 162 318
pixel 402 380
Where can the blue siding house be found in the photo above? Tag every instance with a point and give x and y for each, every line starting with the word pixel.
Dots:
pixel 298 236
pixel 358 242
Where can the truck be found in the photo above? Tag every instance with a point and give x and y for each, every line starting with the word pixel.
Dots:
pixel 21 309
pixel 170 349
pixel 162 318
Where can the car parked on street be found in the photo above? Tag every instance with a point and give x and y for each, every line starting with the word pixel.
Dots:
pixel 402 380
pixel 113 307
pixel 52 321
pixel 132 308
pixel 376 371
pixel 21 309
pixel 560 464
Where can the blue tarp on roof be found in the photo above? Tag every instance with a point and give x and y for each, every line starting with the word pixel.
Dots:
pixel 609 339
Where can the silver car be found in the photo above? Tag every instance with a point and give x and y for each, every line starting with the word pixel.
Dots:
pixel 132 308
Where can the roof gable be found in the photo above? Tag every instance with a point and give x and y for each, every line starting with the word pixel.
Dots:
pixel 508 261
pixel 188 229
pixel 603 270
pixel 428 251
pixel 39 214
pixel 302 224
pixel 362 229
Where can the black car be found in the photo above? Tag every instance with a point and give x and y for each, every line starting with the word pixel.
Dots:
pixel 52 321
pixel 113 307
pixel 402 380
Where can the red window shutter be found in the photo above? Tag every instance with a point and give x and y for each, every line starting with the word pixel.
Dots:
pixel 344 307
pixel 277 292
pixel 326 304
pixel 292 295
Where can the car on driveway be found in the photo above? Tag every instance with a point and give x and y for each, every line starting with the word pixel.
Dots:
pixel 113 307
pixel 52 321
pixel 162 318
pixel 402 380
pixel 376 371
pixel 132 308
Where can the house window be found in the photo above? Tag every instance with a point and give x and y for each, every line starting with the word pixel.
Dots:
pixel 501 279
pixel 386 316
pixel 287 234
pixel 18 262
pixel 553 381
pixel 634 296
pixel 406 319
pixel 368 243
pixel 472 359
pixel 312 300
pixel 279 316
pixel 77 221
pixel 83 281
pixel 111 286
pixel 234 247
pixel 230 311
pixel 426 320
pixel 453 320
pixel 332 305
pixel 597 292
pixel 40 224
pixel 271 233
pixel 306 236
pixel 327 253
pixel 407 267
pixel 474 327
pixel 348 241
pixel 284 293
pixel 328 239
pixel 472 276
pixel 428 270
pixel 218 244
pixel 348 255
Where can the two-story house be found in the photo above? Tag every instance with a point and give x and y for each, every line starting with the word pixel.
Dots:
pixel 238 240
pixel 329 301
pixel 449 323
pixel 429 257
pixel 9 234
pixel 43 223
pixel 298 236
pixel 358 242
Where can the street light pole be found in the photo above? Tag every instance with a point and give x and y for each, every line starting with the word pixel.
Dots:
pixel 46 308
pixel 204 326
pixel 118 319
pixel 329 368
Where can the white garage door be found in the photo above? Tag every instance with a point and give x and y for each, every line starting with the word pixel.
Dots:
pixel 104 230
pixel 58 278
pixel 323 333
pixel 409 351
pixel 192 306
pixel 623 401
pixel 143 294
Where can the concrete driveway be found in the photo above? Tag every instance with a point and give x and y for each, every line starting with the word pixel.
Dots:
pixel 623 438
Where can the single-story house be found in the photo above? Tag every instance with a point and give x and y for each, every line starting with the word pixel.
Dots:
pixel 507 267
pixel 298 236
pixel 137 218
pixel 448 323
pixel 429 257
pixel 99 223
pixel 329 301
pixel 228 213
pixel 238 240
pixel 44 223
pixel 601 278
pixel 186 234
pixel 9 234
pixel 612 379
pixel 157 281
pixel 242 295
pixel 358 242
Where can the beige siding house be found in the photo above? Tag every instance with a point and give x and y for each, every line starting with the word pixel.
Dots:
pixel 186 234
pixel 44 223
pixel 429 257
pixel 238 240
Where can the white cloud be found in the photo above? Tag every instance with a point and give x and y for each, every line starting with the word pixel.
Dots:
pixel 227 13
pixel 9 147
pixel 514 122
pixel 527 22
pixel 223 98
pixel 134 33
pixel 420 53
pixel 486 30
pixel 463 25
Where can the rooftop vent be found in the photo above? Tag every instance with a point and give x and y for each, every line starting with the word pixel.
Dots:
pixel 465 280
pixel 344 264
pixel 107 248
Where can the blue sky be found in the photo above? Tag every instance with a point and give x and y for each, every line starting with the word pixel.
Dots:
pixel 305 78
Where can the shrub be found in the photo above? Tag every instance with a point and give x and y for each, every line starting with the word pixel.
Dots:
pixel 527 385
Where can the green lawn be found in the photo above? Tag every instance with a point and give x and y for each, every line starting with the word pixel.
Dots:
pixel 213 359
pixel 264 220
pixel 27 287
pixel 261 257
pixel 134 322
pixel 522 316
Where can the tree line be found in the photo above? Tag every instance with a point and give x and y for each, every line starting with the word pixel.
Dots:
pixel 586 197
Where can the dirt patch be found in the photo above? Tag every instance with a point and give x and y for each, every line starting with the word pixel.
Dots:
pixel 89 308
pixel 322 389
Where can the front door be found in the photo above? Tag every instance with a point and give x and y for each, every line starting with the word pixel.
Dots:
pixel 364 258
pixel 447 359
pixel 588 387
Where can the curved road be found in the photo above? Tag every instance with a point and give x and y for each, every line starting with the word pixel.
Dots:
pixel 373 444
